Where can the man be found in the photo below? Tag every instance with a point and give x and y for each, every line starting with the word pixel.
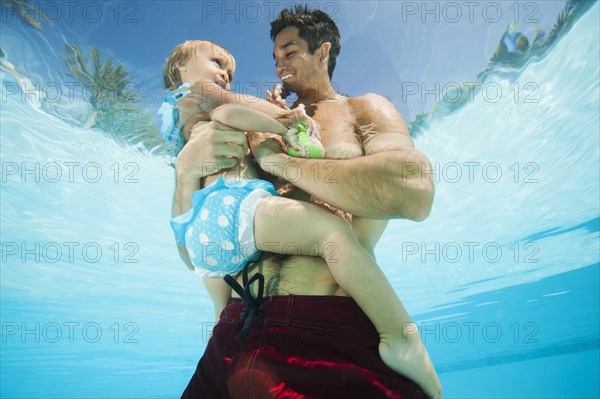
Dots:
pixel 307 338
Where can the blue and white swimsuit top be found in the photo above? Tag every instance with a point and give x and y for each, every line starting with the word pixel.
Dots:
pixel 170 128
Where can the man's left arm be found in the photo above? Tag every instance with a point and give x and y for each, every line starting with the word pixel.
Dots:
pixel 392 180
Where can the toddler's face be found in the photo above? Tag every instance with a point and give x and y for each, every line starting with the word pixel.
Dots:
pixel 210 64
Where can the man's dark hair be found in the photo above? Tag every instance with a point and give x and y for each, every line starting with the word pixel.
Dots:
pixel 315 26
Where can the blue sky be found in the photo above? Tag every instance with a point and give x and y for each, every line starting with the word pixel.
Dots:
pixel 387 46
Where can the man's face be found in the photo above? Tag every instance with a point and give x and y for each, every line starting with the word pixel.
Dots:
pixel 294 64
pixel 208 63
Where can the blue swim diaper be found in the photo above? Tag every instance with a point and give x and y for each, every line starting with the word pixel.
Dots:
pixel 218 232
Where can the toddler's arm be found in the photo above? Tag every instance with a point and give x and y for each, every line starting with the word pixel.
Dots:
pixel 209 96
pixel 297 138
pixel 242 118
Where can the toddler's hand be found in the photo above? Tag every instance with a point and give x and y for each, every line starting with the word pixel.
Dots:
pixel 303 136
pixel 278 96
pixel 312 126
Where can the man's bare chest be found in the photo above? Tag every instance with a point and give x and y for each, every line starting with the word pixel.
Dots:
pixel 338 129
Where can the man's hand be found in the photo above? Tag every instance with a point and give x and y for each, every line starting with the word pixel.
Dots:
pixel 211 148
pixel 266 149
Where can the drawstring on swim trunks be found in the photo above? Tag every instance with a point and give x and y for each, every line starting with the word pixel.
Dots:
pixel 252 306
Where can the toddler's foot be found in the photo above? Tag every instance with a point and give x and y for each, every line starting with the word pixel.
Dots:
pixel 408 357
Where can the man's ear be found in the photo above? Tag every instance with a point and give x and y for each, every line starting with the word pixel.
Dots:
pixel 324 51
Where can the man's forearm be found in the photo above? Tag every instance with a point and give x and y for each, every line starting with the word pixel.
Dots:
pixel 385 185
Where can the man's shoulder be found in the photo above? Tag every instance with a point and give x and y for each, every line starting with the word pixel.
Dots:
pixel 370 104
pixel 375 108
pixel 380 125
pixel 369 100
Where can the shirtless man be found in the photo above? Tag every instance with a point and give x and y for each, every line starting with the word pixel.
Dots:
pixel 308 338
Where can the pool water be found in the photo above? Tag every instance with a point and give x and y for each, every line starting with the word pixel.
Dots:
pixel 502 278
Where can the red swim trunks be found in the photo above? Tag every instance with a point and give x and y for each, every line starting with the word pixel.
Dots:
pixel 301 347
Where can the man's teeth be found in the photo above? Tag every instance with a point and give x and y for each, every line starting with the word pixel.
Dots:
pixel 287 76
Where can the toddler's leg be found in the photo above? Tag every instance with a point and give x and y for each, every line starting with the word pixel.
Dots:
pixel 304 227
pixel 314 231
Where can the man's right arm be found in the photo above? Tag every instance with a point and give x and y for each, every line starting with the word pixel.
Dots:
pixel 393 172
